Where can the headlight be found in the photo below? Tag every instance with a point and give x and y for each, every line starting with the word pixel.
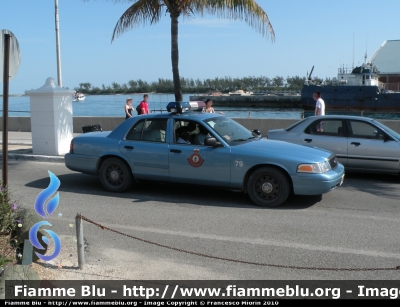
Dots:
pixel 318 168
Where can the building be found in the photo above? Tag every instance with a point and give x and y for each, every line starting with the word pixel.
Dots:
pixel 387 60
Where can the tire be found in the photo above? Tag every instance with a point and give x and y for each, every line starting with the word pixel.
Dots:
pixel 115 175
pixel 276 187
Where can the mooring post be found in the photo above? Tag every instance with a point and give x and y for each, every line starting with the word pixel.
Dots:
pixel 79 241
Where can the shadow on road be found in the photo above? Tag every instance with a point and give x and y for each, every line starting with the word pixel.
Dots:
pixel 386 186
pixel 170 193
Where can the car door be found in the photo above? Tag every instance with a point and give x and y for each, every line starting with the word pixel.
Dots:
pixel 198 164
pixel 371 149
pixel 145 147
pixel 329 134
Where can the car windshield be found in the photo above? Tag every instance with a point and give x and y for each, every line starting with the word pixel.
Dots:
pixel 231 131
pixel 392 132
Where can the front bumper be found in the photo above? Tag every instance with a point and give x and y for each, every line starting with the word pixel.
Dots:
pixel 317 184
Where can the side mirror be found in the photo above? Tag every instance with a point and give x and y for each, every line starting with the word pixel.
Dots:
pixel 386 138
pixel 256 132
pixel 212 142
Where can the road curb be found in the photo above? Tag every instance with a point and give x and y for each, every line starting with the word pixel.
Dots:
pixel 40 158
pixel 17 143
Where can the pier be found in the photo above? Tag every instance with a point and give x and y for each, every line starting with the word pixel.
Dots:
pixel 254 101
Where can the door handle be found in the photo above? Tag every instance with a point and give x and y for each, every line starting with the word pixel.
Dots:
pixel 355 143
pixel 129 147
pixel 308 140
pixel 175 150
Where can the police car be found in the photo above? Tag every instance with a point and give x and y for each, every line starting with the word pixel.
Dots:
pixel 187 145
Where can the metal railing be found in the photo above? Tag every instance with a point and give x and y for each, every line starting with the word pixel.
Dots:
pixel 10 111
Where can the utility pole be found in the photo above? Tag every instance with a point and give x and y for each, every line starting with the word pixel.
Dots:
pixel 6 80
pixel 59 79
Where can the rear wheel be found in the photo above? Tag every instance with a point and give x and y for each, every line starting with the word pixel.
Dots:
pixel 268 187
pixel 115 175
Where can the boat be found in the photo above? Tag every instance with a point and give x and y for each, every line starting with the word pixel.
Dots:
pixel 358 88
pixel 240 93
pixel 78 97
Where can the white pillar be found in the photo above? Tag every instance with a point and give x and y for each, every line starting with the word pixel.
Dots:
pixel 51 119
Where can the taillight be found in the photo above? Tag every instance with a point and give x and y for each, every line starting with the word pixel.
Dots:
pixel 71 147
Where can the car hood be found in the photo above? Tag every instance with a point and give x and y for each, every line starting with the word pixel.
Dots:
pixel 283 148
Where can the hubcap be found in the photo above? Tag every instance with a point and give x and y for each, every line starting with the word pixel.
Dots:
pixel 267 187
pixel 115 175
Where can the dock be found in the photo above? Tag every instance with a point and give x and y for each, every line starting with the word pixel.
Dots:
pixel 253 101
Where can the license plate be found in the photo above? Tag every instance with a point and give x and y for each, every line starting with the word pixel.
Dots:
pixel 341 181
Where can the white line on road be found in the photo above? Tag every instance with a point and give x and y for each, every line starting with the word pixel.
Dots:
pixel 262 242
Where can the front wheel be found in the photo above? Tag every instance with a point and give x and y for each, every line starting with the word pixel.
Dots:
pixel 115 175
pixel 268 187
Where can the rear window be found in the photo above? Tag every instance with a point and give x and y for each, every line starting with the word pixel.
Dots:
pixel 295 124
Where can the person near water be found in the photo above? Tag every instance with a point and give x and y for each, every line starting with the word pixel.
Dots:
pixel 209 107
pixel 128 108
pixel 319 109
pixel 319 105
pixel 144 105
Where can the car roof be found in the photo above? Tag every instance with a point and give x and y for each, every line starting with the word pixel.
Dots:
pixel 185 115
pixel 342 117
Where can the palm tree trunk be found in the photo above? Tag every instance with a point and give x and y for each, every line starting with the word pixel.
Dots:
pixel 175 57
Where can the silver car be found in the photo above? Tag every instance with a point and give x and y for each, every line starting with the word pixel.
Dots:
pixel 360 143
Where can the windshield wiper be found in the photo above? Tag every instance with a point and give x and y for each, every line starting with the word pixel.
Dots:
pixel 242 140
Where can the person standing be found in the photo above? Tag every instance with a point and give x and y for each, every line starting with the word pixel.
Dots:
pixel 128 108
pixel 144 105
pixel 320 104
pixel 319 109
pixel 209 107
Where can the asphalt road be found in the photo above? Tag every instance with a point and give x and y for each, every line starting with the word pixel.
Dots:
pixel 354 226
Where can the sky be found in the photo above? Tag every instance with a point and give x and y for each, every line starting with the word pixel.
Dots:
pixel 308 33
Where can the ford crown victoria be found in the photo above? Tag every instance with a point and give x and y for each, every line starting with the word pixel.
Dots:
pixel 189 146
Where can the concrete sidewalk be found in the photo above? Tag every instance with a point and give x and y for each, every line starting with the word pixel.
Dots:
pixel 20 148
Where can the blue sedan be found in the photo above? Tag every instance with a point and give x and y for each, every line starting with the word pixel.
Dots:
pixel 185 146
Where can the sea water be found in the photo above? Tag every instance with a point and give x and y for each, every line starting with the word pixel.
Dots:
pixel 113 105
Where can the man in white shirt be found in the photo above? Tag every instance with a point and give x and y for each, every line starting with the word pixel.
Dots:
pixel 320 104
pixel 319 109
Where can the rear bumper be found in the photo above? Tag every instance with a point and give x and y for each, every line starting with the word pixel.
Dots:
pixel 317 184
pixel 82 163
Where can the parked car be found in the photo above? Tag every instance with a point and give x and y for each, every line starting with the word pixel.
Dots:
pixel 360 143
pixel 145 148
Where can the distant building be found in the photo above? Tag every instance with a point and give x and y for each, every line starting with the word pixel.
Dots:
pixel 387 60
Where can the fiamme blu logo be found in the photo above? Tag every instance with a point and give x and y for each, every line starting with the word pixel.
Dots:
pixel 45 205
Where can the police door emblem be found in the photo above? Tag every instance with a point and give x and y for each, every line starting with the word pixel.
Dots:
pixel 195 159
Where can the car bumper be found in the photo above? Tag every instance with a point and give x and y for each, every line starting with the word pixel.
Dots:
pixel 82 163
pixel 317 184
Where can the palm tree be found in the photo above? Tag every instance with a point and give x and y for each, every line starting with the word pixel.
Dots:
pixel 144 11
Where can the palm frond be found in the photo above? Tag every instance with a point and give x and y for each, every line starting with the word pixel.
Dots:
pixel 141 12
pixel 247 10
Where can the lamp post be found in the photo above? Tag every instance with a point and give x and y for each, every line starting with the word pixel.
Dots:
pixel 59 79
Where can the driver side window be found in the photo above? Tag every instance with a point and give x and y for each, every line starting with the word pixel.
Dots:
pixel 190 132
